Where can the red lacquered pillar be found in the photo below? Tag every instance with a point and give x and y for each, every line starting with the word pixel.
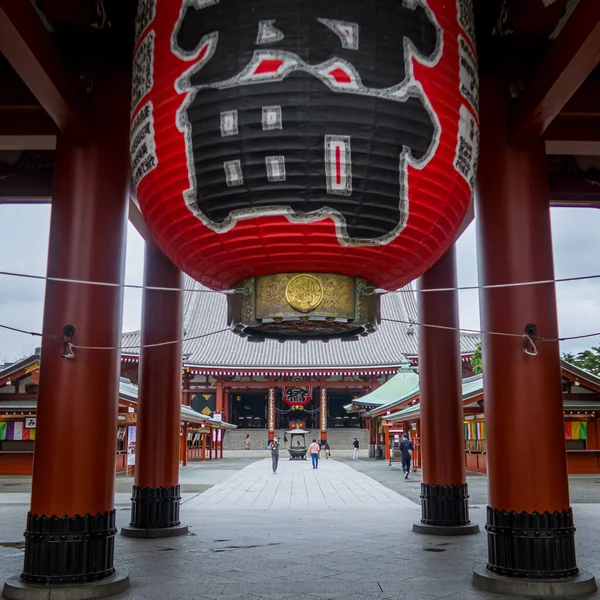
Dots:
pixel 71 525
pixel 529 519
pixel 444 493
pixel 271 413
pixel 184 445
pixel 227 408
pixel 156 493
pixel 219 398
pixel 323 414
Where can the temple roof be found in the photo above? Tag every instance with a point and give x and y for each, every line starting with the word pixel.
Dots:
pixel 472 388
pixel 207 312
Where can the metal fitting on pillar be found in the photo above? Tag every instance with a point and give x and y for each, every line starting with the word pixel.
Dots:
pixel 65 549
pixel 533 545
pixel 445 510
pixel 155 513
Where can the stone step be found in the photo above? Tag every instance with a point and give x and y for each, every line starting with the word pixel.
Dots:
pixel 339 439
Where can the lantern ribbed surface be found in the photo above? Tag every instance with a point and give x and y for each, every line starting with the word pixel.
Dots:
pixel 313 136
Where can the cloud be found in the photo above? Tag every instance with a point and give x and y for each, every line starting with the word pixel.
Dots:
pixel 24 249
pixel 576 246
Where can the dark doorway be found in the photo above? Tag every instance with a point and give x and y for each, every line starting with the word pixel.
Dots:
pixel 249 409
pixel 337 415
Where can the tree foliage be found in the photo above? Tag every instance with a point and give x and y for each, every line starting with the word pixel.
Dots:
pixel 477 360
pixel 588 359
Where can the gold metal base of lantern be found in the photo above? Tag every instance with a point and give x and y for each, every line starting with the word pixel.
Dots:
pixel 303 306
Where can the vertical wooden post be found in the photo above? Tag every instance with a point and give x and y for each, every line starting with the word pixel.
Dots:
pixel 204 445
pixel 184 444
pixel 271 412
pixel 219 397
pixel 323 413
pixel 186 383
pixel 156 493
pixel 386 438
pixel 444 491
pixel 70 529
pixel 529 519
pixel 227 406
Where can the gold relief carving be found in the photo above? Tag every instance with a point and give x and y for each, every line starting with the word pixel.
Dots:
pixel 304 293
pixel 324 295
pixel 303 305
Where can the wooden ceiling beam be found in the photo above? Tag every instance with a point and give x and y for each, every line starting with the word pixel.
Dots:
pixel 574 191
pixel 137 220
pixel 571 58
pixel 26 121
pixel 28 47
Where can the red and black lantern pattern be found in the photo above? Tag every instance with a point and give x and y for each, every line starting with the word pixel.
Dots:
pixel 297 395
pixel 309 135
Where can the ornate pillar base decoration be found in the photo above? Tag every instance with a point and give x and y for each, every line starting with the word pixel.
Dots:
pixel 445 511
pixel 301 306
pixel 532 554
pixel 70 557
pixel 155 513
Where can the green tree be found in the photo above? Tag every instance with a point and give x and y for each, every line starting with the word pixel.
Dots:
pixel 588 359
pixel 477 360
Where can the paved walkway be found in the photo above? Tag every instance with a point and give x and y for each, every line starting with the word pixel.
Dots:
pixel 297 486
pixel 331 534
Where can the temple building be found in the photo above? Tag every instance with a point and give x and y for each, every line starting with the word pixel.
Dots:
pixel 394 409
pixel 295 163
pixel 250 383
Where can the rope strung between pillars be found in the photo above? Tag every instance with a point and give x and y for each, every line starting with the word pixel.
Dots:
pixel 367 292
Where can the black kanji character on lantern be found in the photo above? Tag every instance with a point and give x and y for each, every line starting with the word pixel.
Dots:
pixel 294 141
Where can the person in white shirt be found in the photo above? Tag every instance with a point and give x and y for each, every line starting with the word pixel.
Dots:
pixel 314 450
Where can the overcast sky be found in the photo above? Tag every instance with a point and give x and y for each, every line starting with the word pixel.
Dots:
pixel 24 246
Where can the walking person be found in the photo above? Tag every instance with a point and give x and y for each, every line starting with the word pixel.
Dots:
pixel 327 450
pixel 313 450
pixel 284 441
pixel 275 453
pixel 406 448
pixel 355 444
pixel 247 441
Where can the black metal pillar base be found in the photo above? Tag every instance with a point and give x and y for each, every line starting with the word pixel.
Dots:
pixel 532 545
pixel 522 587
pixel 445 505
pixel 17 589
pixel 155 507
pixel 77 549
pixel 423 529
pixel 150 534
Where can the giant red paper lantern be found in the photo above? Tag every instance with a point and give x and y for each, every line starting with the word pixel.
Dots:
pixel 304 150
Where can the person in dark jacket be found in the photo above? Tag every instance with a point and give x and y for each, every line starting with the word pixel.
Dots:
pixel 275 453
pixel 406 448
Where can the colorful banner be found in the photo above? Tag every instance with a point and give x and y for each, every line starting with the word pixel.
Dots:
pixel 474 430
pixel 297 395
pixel 576 430
pixel 15 431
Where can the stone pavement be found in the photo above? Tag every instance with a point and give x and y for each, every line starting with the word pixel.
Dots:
pixel 297 486
pixel 356 545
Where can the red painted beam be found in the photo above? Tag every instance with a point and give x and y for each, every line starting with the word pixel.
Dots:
pixel 28 47
pixel 570 60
